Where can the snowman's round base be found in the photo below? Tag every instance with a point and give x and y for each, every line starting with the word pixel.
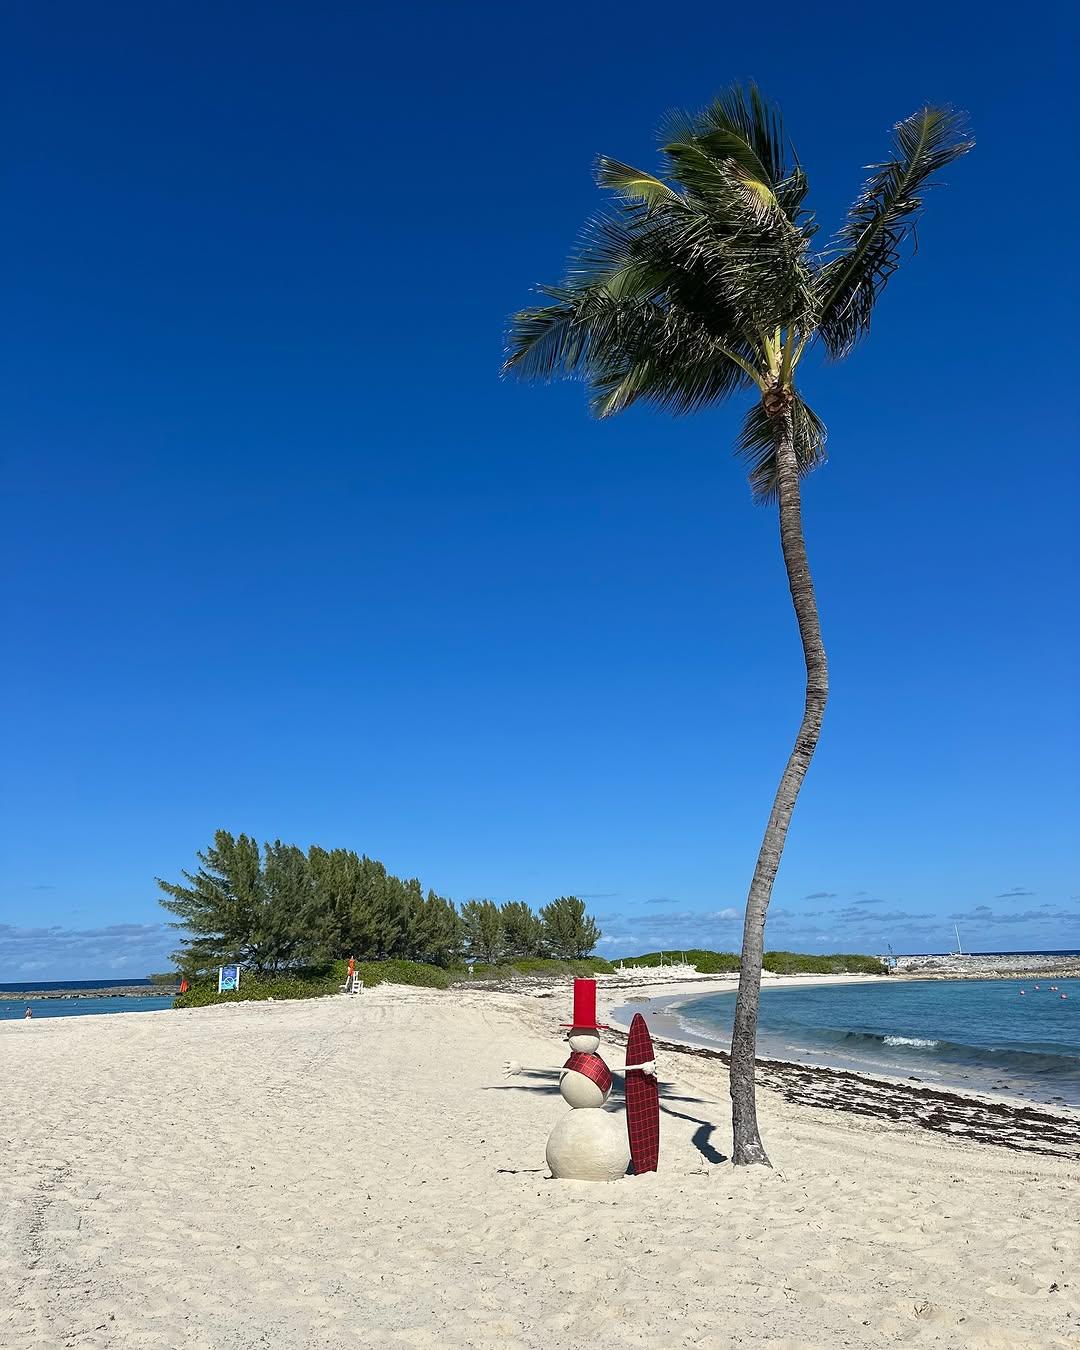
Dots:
pixel 589 1145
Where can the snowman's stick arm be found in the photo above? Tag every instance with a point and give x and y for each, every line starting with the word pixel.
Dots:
pixel 649 1067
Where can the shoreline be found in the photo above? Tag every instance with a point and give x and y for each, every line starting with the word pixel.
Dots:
pixel 977 1115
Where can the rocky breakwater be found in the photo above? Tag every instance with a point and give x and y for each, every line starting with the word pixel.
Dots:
pixel 114 991
pixel 1017 965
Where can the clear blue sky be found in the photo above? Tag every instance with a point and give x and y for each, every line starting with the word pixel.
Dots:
pixel 283 555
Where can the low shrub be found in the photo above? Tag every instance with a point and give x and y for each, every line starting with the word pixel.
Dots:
pixel 538 965
pixel 778 963
pixel 714 963
pixel 313 982
pixel 535 965
pixel 402 972
pixel 840 963
pixel 483 971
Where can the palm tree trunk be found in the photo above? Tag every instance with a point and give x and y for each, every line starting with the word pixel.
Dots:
pixel 747 1147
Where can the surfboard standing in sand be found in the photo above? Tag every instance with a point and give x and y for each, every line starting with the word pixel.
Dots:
pixel 642 1098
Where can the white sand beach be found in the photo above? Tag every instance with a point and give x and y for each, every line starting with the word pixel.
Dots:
pixel 358 1171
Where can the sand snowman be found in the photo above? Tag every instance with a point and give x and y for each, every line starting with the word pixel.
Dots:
pixel 590 1143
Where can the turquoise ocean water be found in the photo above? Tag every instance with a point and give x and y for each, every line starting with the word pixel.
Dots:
pixel 983 1035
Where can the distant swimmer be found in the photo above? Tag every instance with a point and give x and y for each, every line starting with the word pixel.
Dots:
pixel 1036 988
pixel 28 1013
pixel 1022 992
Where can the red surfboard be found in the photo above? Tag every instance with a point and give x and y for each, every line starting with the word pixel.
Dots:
pixel 642 1100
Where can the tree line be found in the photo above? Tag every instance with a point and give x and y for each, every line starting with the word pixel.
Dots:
pixel 276 907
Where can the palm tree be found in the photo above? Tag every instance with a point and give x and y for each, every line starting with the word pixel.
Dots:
pixel 701 283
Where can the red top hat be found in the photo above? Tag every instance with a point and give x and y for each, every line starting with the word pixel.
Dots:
pixel 585 1007
pixel 592 1066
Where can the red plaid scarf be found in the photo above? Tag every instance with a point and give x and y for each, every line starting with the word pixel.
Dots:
pixel 592 1066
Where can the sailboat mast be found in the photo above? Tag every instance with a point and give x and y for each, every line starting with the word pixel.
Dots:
pixel 959 949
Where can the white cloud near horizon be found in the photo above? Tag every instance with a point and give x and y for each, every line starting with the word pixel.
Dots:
pixel 132 949
pixel 859 925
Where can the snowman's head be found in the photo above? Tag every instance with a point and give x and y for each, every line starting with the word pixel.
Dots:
pixel 585 1040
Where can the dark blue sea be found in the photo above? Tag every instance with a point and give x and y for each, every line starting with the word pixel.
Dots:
pixel 14 1003
pixel 982 1035
pixel 23 986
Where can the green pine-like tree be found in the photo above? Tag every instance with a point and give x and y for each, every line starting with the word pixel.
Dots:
pixel 435 932
pixel 241 905
pixel 339 914
pixel 279 908
pixel 288 918
pixel 482 927
pixel 522 930
pixel 361 908
pixel 569 933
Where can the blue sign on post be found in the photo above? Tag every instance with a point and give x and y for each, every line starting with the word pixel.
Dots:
pixel 228 979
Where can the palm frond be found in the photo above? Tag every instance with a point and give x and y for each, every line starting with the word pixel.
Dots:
pixel 614 254
pixel 791 194
pixel 628 350
pixel 752 278
pixel 545 341
pixel 672 261
pixel 744 118
pixel 608 268
pixel 634 185
pixel 757 445
pixel 738 132
pixel 882 217
pixel 668 359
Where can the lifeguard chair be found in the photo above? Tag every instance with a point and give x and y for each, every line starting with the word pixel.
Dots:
pixel 353 983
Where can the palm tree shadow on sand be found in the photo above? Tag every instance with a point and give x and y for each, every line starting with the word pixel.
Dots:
pixel 546 1081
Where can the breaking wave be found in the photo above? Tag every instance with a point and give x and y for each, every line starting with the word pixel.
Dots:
pixel 979 1034
pixel 1038 1061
